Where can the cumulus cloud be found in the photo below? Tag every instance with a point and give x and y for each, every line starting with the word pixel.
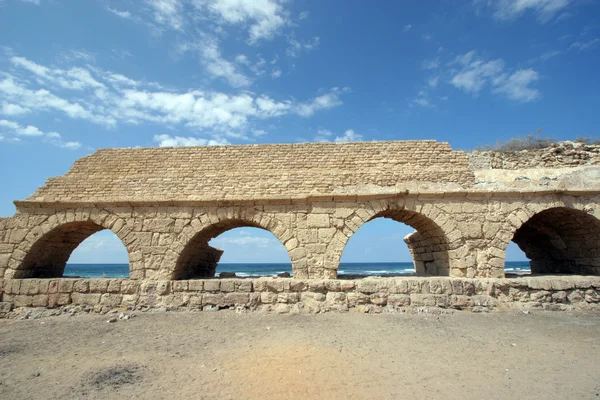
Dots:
pixel 516 86
pixel 263 18
pixel 176 141
pixel 216 66
pixel 349 136
pixel 512 9
pixel 474 74
pixel 296 47
pixel 323 102
pixel 107 98
pixel 13 109
pixel 167 13
pixel 54 138
pixel 407 28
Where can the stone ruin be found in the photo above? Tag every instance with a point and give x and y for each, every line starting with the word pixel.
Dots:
pixel 166 204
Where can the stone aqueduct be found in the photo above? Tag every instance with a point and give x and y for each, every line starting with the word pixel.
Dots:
pixel 165 204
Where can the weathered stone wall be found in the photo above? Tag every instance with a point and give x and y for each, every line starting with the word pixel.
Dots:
pixel 256 172
pixel 294 295
pixel 459 236
pixel 557 155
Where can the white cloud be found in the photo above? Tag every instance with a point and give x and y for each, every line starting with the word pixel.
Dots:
pixel 433 81
pixel 122 14
pixel 215 64
pixel 264 18
pixel 167 13
pixel 431 64
pixel 276 73
pixel 73 78
pixel 349 136
pixel 13 109
pixel 585 45
pixel 296 47
pixel 323 135
pixel 245 240
pixel 422 100
pixel 516 86
pixel 53 138
pixel 176 141
pixel 512 9
pixel 113 98
pixel 323 102
pixel 407 28
pixel 303 15
pixel 475 73
pixel 36 2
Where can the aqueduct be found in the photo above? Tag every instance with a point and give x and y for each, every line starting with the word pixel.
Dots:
pixel 165 204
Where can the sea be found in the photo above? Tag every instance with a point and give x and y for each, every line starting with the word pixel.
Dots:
pixel 245 270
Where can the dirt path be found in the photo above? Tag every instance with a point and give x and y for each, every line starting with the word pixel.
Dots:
pixel 224 355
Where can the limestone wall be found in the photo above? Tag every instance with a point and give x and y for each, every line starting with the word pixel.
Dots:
pixel 558 155
pixel 293 295
pixel 464 236
pixel 288 171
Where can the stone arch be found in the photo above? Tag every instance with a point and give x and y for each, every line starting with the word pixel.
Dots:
pixel 429 245
pixel 45 250
pixel 562 237
pixel 196 259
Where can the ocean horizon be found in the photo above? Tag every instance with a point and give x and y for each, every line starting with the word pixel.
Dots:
pixel 270 269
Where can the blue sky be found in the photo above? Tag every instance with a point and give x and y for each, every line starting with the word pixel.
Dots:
pixel 76 76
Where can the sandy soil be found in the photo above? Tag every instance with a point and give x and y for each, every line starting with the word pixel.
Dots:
pixel 224 355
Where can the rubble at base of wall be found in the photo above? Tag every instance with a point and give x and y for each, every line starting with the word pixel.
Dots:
pixel 41 297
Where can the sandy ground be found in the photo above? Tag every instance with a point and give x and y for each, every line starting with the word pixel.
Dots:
pixel 224 355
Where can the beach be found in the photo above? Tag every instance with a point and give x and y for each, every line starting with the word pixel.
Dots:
pixel 228 355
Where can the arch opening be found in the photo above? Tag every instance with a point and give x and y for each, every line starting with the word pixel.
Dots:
pixel 426 242
pixel 561 240
pixel 232 248
pixel 49 255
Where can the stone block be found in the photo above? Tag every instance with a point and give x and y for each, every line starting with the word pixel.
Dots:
pixel 30 286
pixel 53 287
pixel 22 300
pixel 130 300
pixel 379 299
pixel 318 221
pixel 40 300
pixel 98 285
pixel 244 286
pixel 288 298
pixel 81 286
pixel 163 287
pixel 367 286
pixel 227 285
pixel 179 286
pixel 357 298
pixel 88 299
pixel 398 300
pixel 212 285
pixel 213 299
pixel 111 299
pixel 347 286
pixel 66 285
pixel 59 299
pixel 268 298
pixel 275 285
pixel 130 287
pixel 114 286
pixel 195 285
pixel 236 298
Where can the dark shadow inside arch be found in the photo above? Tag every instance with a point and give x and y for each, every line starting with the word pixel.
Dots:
pixel 427 245
pixel 561 241
pixel 202 257
pixel 48 257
